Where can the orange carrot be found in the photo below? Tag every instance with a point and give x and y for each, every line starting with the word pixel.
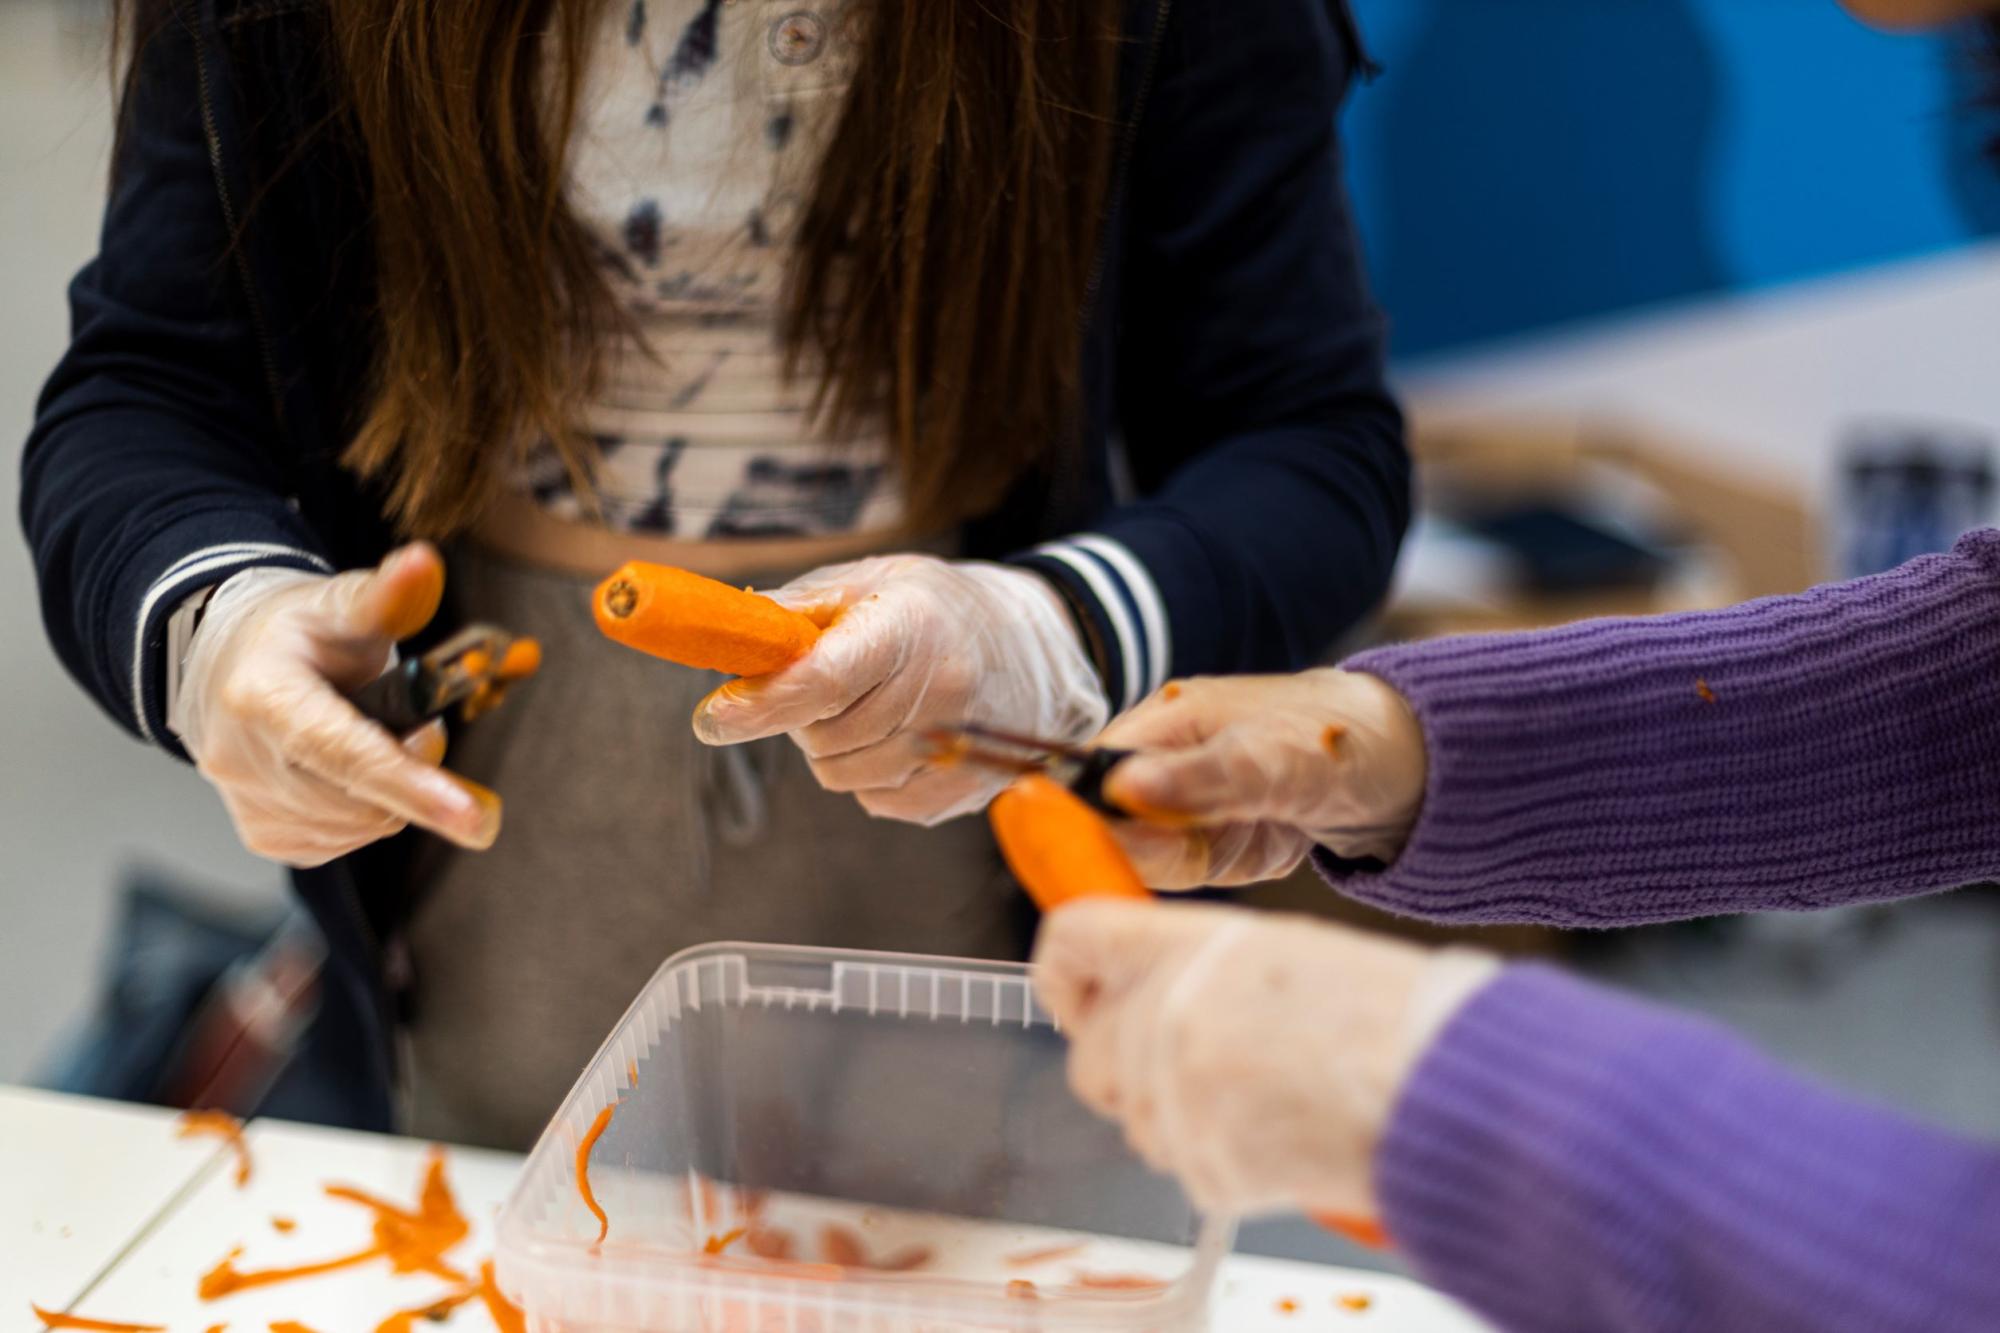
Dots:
pixel 699 622
pixel 1058 847
pixel 1355 1301
pixel 218 1328
pixel 53 1320
pixel 590 1139
pixel 228 1128
pixel 290 1326
pixel 1288 1306
pixel 284 1226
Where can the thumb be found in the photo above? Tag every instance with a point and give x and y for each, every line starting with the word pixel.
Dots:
pixel 392 601
pixel 1085 951
pixel 1235 776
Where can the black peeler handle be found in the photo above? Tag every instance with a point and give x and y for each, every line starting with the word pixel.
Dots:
pixel 1092 768
pixel 396 699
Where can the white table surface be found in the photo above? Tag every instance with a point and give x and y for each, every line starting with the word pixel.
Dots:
pixel 79 1180
pixel 160 1262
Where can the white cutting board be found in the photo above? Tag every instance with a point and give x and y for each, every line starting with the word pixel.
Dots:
pixel 79 1178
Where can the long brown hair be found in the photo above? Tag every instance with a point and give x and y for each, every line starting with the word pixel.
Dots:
pixel 937 278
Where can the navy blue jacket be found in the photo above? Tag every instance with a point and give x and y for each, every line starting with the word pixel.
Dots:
pixel 194 425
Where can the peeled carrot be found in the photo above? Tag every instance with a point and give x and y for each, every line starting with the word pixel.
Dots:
pixel 597 1128
pixel 1058 847
pixel 699 622
pixel 51 1319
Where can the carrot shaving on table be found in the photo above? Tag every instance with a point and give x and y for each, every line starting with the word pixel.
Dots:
pixel 1116 1282
pixel 1036 1258
pixel 507 1316
pixel 52 1319
pixel 412 1242
pixel 290 1326
pixel 590 1138
pixel 1288 1306
pixel 226 1127
pixel 404 1321
pixel 284 1226
pixel 218 1328
pixel 1355 1301
pixel 720 1244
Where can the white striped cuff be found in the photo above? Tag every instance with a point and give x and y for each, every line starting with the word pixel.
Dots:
pixel 1132 606
pixel 198 569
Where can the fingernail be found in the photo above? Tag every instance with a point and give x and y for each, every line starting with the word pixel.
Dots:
pixel 1140 799
pixel 485 803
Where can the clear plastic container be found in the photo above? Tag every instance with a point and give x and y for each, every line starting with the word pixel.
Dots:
pixel 821 1141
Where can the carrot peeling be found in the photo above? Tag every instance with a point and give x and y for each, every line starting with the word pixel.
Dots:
pixel 284 1226
pixel 507 1316
pixel 226 1127
pixel 290 1326
pixel 1701 688
pixel 1331 738
pixel 1058 847
pixel 1354 1301
pixel 1036 1258
pixel 596 1131
pixel 51 1319
pixel 720 1244
pixel 1363 1231
pixel 698 622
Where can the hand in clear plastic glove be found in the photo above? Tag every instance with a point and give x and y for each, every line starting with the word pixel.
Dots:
pixel 305 777
pixel 914 643
pixel 1237 778
pixel 1256 1057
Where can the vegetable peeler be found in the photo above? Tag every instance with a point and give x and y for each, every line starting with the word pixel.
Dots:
pixel 470 671
pixel 1081 768
pixel 1057 849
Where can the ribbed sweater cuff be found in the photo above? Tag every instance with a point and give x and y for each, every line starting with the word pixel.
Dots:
pixel 1568 1158
pixel 1797 752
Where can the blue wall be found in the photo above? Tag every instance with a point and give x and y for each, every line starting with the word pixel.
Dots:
pixel 1522 163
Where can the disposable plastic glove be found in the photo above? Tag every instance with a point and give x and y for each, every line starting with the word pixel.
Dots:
pixel 913 643
pixel 305 777
pixel 1237 778
pixel 1257 1057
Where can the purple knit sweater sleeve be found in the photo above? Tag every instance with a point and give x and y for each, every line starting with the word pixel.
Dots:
pixel 1566 1159
pixel 1795 752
